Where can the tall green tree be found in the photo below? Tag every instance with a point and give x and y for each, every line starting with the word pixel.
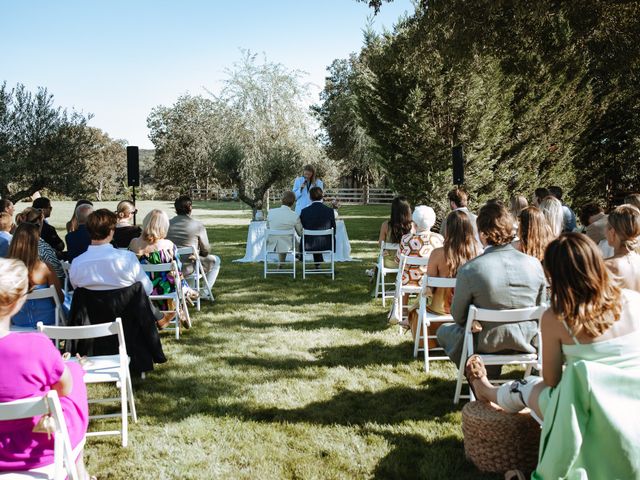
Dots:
pixel 105 165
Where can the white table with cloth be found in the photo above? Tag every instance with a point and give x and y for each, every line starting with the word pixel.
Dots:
pixel 257 232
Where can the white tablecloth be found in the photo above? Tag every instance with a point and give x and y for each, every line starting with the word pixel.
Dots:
pixel 255 243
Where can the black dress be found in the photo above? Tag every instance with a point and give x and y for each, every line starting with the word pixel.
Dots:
pixel 123 235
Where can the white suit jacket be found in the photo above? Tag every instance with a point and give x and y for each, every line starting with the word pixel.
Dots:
pixel 282 218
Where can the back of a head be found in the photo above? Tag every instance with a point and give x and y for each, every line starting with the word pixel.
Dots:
pixel 288 198
pixel 84 201
pixel 316 194
pixel 459 197
pixel 517 203
pixel 552 209
pixel 183 205
pixel 5 204
pixel 82 213
pixel 625 221
pixel 155 226
pixel 24 244
pixel 41 202
pixel 540 193
pixel 460 243
pixel 5 221
pixel 400 220
pixel 534 232
pixel 424 217
pixel 633 199
pixel 582 291
pixel 101 223
pixel 496 224
pixel 124 209
pixel 588 211
pixel 14 282
pixel 556 192
pixel 30 215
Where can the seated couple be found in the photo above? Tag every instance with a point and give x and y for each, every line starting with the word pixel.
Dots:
pixel 316 216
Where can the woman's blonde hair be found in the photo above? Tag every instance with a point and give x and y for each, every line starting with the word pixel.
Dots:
pixel 534 232
pixel 124 209
pixel 14 283
pixel 625 221
pixel 517 204
pixel 155 226
pixel 582 292
pixel 24 245
pixel 460 243
pixel 30 215
pixel 552 209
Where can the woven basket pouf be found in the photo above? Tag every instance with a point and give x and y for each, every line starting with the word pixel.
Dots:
pixel 497 441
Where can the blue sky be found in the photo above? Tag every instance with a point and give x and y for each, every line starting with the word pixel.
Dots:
pixel 118 59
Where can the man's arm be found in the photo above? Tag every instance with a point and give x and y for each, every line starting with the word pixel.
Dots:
pixel 203 242
pixel 298 226
pixel 462 299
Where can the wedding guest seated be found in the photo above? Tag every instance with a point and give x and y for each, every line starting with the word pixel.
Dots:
pixel 185 231
pixel 590 405
pixel 553 212
pixel 458 200
pixel 24 247
pixel 501 278
pixel 283 218
pixel 568 215
pixel 459 247
pixel 317 216
pixel 534 233
pixel 594 221
pixel 398 225
pixel 623 235
pixel 72 224
pixel 31 367
pixel 7 206
pixel 45 251
pixel 49 233
pixel 420 244
pixel 125 230
pixel 79 240
pixel 6 223
pixel 111 283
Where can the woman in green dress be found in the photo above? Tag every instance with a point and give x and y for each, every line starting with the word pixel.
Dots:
pixel 591 408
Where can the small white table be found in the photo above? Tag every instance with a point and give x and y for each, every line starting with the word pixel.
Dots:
pixel 255 243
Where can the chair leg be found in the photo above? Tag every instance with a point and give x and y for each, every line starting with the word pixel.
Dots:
pixel 125 416
pixel 416 343
pixel 383 289
pixel 425 336
pixel 132 400
pixel 463 361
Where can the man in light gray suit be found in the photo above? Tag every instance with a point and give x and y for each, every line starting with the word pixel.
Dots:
pixel 184 231
pixel 500 278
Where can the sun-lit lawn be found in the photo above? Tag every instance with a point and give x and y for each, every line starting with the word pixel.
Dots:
pixel 284 378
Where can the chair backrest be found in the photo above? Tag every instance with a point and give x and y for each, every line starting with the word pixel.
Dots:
pixel 49 292
pixel 501 316
pixel 160 267
pixel 388 246
pixel 409 261
pixel 281 233
pixel 83 332
pixel 190 250
pixel 440 282
pixel 48 404
pixel 315 233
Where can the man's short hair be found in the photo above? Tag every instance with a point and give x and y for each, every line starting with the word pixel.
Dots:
pixel 315 194
pixel 459 197
pixel 183 205
pixel 588 211
pixel 288 198
pixel 496 224
pixel 41 202
pixel 100 223
pixel 5 222
pixel 540 193
pixel 556 192
pixel 82 213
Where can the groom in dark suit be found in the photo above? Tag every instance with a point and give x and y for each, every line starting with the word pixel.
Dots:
pixel 318 216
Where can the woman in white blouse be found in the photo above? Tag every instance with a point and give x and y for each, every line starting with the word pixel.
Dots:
pixel 303 184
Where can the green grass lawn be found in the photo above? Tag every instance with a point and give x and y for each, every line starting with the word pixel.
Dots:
pixel 284 378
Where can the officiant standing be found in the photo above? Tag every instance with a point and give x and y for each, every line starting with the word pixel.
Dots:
pixel 303 184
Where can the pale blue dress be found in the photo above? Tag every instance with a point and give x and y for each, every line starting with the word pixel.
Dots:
pixel 302 196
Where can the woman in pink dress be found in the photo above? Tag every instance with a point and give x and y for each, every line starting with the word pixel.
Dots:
pixel 31 367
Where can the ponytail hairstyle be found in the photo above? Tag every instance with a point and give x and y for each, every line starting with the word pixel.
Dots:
pixel 625 221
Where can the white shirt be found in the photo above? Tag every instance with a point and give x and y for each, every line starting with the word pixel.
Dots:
pixel 102 267
pixel 302 195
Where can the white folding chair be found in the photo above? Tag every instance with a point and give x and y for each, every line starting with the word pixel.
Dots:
pixel 198 278
pixel 292 251
pixel 318 271
pixel 104 369
pixel 177 296
pixel 402 290
pixel 425 319
pixel 64 465
pixel 66 266
pixel 381 284
pixel 41 294
pixel 498 316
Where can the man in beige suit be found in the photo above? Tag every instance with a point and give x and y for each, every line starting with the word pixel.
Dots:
pixel 185 231
pixel 283 218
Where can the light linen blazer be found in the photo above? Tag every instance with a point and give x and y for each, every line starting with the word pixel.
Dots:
pixel 282 218
pixel 302 196
pixel 501 278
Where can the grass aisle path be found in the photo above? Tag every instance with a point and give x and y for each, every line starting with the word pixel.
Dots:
pixel 289 379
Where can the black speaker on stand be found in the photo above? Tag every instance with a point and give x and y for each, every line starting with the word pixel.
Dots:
pixel 133 172
pixel 458 165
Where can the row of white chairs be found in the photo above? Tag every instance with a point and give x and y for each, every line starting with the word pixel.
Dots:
pixel 273 258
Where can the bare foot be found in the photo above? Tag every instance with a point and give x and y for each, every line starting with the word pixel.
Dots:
pixel 476 375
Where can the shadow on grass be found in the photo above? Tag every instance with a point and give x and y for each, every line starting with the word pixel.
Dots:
pixel 370 322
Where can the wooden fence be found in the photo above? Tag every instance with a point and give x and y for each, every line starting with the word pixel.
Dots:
pixel 359 196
